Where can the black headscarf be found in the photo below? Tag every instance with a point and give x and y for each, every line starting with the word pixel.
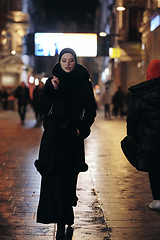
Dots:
pixel 64 77
pixel 68 50
pixel 69 82
pixel 79 73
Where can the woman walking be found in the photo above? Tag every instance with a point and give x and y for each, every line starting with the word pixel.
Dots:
pixel 70 108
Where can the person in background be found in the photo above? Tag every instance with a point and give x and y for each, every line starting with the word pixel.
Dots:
pixel 69 94
pixel 36 95
pixel 22 94
pixel 5 96
pixel 0 99
pixel 143 128
pixel 106 100
pixel 118 101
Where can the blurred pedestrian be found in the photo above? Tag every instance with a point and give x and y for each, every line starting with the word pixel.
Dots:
pixel 106 100
pixel 68 97
pixel 118 101
pixel 5 96
pixel 0 99
pixel 22 94
pixel 142 146
pixel 36 95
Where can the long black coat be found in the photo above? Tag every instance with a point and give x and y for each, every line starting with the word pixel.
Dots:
pixel 61 155
pixel 143 123
pixel 73 107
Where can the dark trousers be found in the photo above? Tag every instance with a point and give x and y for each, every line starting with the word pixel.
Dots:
pixel 22 110
pixel 107 110
pixel 116 109
pixel 154 178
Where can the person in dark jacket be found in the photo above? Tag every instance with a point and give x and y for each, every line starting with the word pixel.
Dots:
pixel 118 102
pixel 143 127
pixel 22 94
pixel 36 95
pixel 5 96
pixel 68 97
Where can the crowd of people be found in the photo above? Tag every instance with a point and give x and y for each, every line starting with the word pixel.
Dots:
pixel 23 97
pixel 116 104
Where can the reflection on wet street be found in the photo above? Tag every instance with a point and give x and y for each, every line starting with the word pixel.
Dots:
pixel 20 182
pixel 113 196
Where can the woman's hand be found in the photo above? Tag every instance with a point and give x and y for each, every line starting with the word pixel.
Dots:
pixel 55 81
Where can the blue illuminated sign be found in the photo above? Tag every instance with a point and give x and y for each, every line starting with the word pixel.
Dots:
pixel 155 22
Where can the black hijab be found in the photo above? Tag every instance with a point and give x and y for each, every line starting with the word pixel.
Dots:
pixel 68 50
pixel 70 80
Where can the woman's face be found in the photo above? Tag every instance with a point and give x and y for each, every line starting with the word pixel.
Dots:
pixel 67 62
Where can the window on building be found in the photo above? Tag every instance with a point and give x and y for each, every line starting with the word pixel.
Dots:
pixel 9 40
pixel 11 5
pixel 132 33
pixel 134 20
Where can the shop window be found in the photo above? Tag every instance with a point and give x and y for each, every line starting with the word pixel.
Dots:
pixel 8 80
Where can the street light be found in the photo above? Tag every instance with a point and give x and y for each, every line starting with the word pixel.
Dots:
pixel 13 52
pixel 102 34
pixel 121 8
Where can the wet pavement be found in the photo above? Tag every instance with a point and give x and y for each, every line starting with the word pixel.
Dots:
pixel 113 196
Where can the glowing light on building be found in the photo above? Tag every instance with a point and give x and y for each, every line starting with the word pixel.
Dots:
pixel 102 34
pixel 120 8
pixel 36 81
pixel 31 79
pixel 155 22
pixel 105 74
pixel 44 79
pixel 115 52
pixel 50 44
pixel 13 52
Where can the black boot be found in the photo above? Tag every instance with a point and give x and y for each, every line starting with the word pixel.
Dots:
pixel 60 232
pixel 69 233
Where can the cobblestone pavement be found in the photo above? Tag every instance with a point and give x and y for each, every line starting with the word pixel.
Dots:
pixel 113 196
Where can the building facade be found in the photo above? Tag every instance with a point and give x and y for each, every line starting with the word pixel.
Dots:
pixel 13 27
pixel 150 30
pixel 126 36
pixel 136 32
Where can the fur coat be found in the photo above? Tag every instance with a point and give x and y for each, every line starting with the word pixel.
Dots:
pixel 73 107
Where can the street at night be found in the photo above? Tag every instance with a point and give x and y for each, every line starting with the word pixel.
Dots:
pixel 113 196
pixel 61 61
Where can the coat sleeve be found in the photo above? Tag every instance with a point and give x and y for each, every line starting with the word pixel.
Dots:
pixel 89 111
pixel 47 97
pixel 133 116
